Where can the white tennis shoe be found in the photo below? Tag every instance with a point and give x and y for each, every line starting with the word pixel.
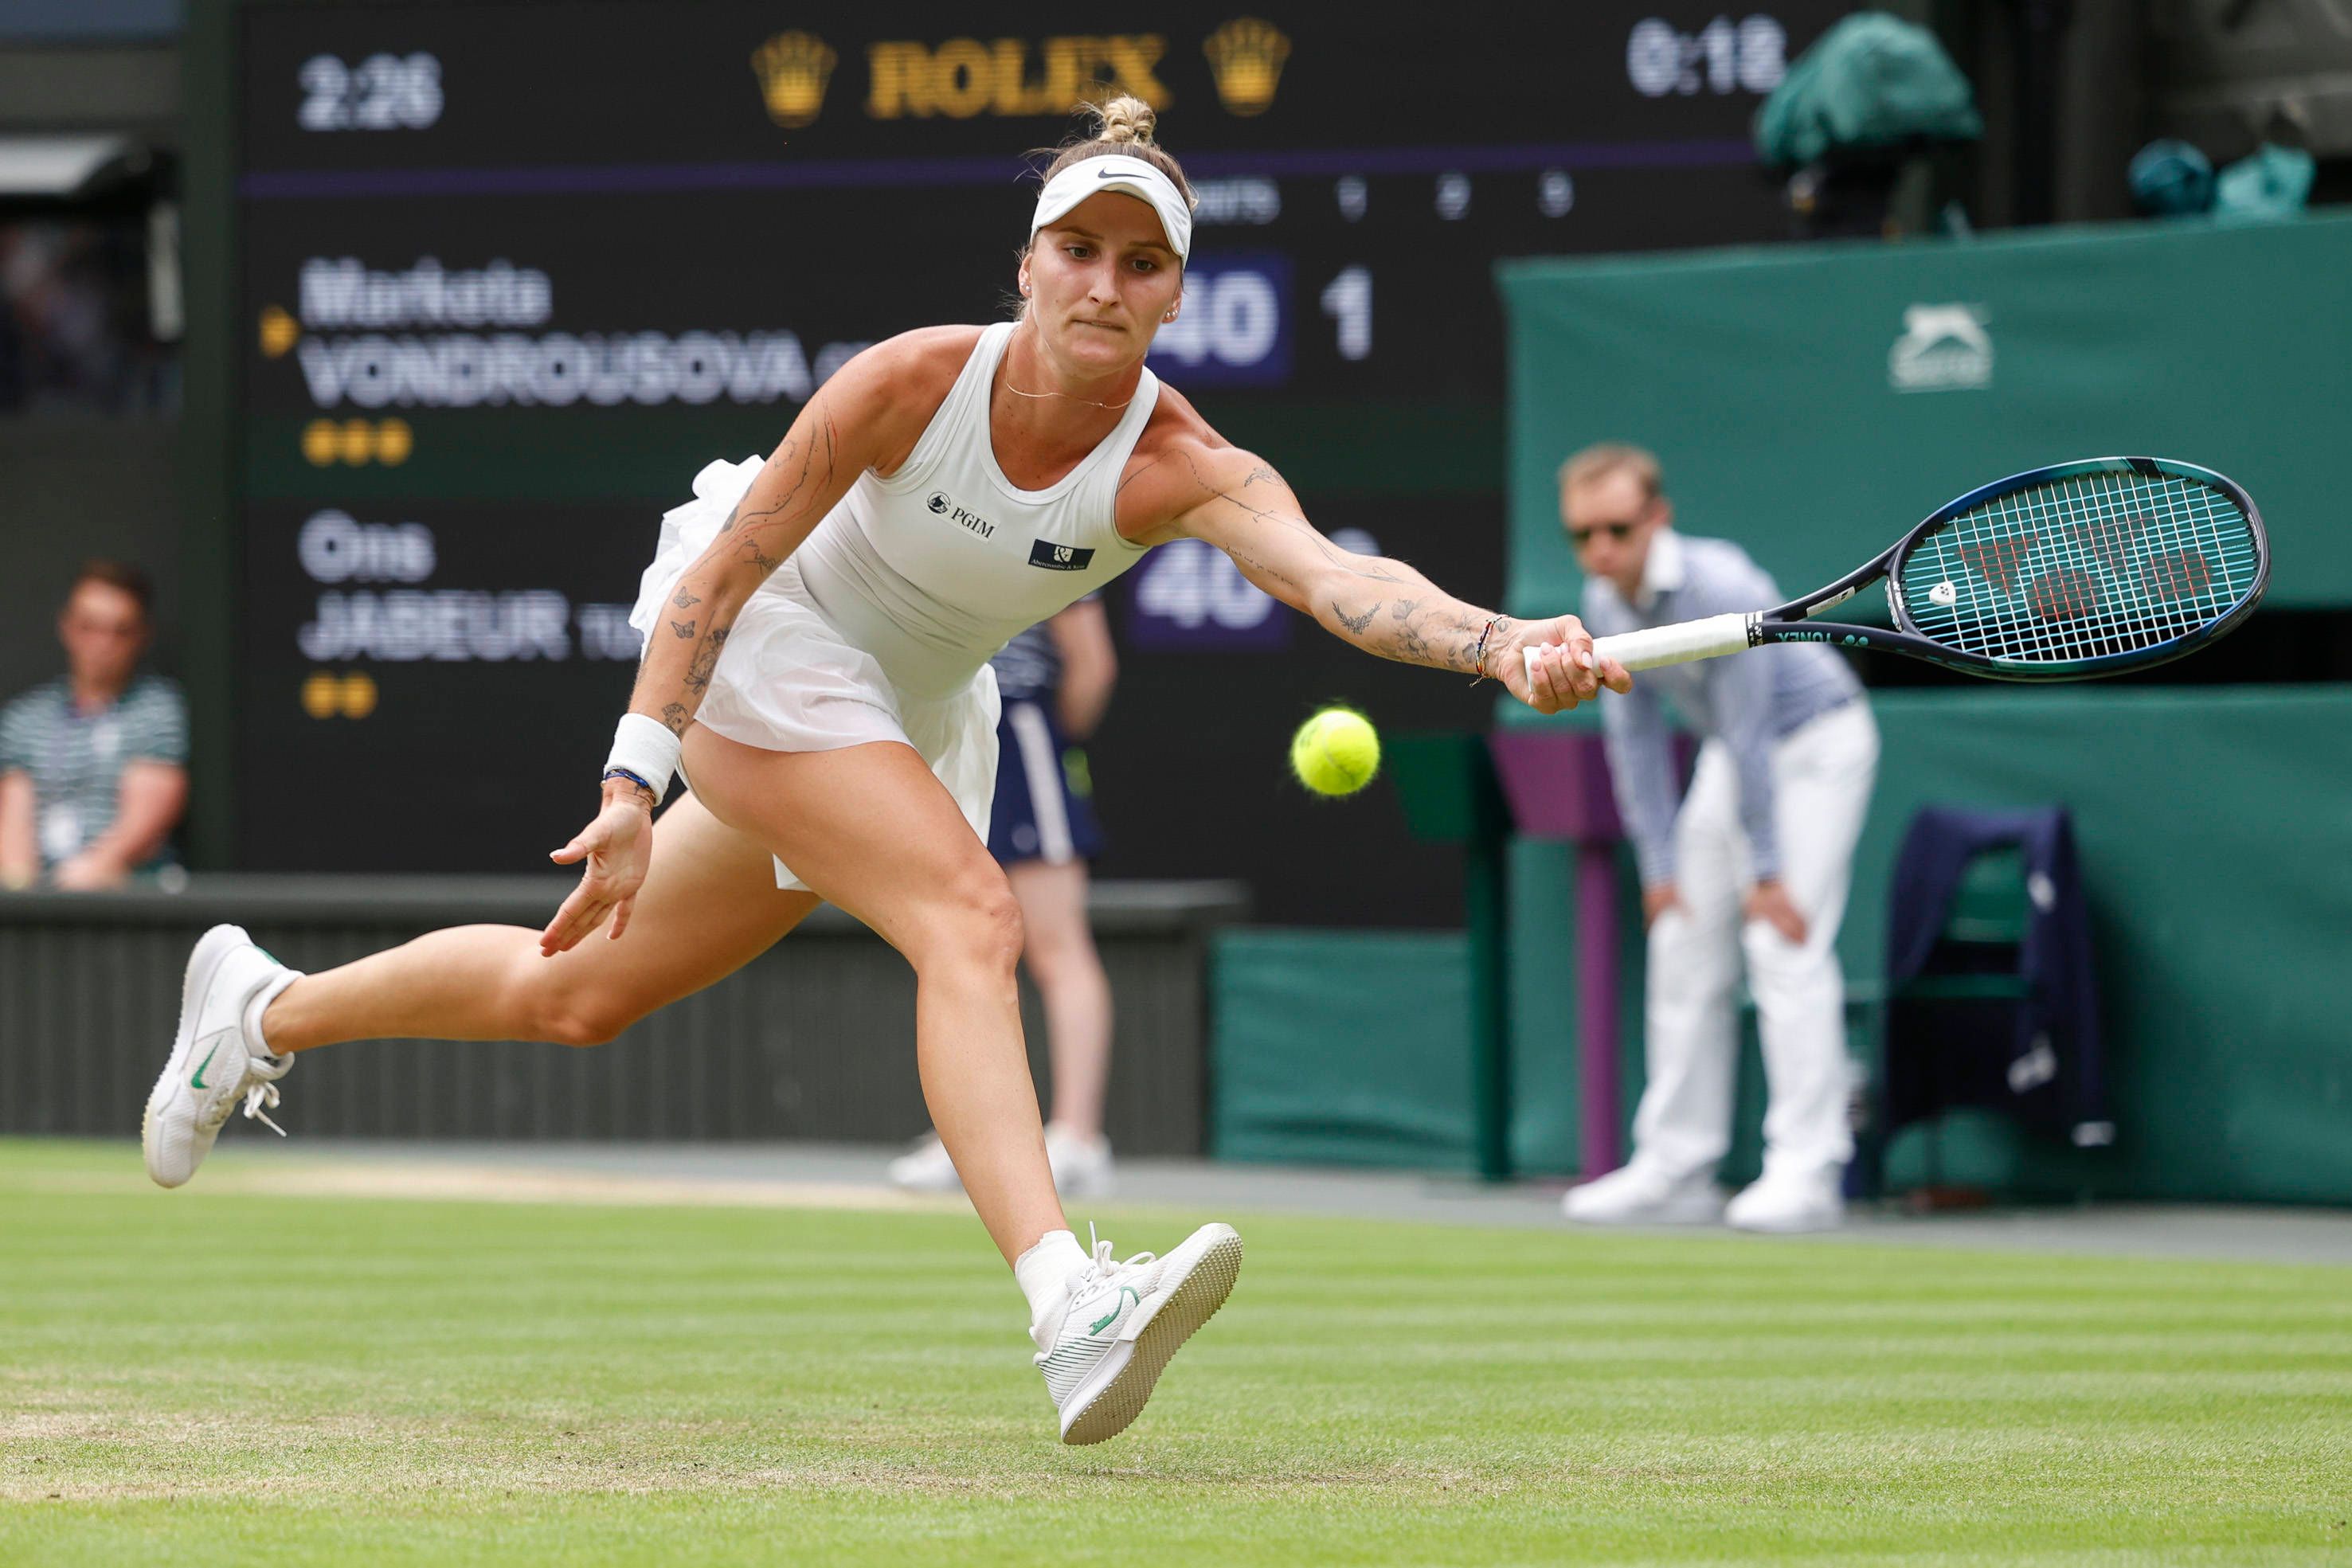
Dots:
pixel 1103 1349
pixel 926 1168
pixel 1081 1168
pixel 1639 1195
pixel 217 1058
pixel 1789 1203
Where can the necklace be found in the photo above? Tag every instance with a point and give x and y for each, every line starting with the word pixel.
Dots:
pixel 1090 403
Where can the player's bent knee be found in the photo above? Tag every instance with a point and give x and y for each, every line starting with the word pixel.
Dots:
pixel 976 921
pixel 558 1009
pixel 998 930
pixel 583 1028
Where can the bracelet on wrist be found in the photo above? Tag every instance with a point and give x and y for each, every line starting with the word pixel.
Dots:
pixel 640 785
pixel 1478 653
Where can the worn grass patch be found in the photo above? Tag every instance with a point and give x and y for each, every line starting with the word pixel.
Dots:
pixel 223 1376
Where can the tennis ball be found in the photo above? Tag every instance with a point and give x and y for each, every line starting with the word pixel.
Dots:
pixel 1336 752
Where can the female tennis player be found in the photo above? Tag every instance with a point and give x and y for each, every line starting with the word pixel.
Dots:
pixel 817 632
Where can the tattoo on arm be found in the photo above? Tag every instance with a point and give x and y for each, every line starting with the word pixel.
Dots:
pixel 1426 628
pixel 807 471
pixel 1261 567
pixel 807 467
pixel 1369 569
pixel 1139 473
pixel 1433 632
pixel 705 660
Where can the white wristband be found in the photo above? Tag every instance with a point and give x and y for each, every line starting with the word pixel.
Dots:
pixel 645 747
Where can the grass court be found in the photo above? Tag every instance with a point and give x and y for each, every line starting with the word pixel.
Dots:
pixel 210 1376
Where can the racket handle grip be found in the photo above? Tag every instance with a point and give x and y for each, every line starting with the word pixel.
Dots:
pixel 1707 638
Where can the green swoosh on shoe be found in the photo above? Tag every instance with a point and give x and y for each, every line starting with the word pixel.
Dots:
pixel 1104 1321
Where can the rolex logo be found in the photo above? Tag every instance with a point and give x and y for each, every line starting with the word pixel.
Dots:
pixel 793 69
pixel 1246 57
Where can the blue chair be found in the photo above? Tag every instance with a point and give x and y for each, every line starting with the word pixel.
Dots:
pixel 1991 999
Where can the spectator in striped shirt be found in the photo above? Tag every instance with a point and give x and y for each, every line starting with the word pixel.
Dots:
pixel 1747 870
pixel 93 765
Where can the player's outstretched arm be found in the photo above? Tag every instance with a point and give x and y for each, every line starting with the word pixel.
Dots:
pixel 1379 605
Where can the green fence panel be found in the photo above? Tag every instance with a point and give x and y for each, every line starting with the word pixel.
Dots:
pixel 1340 1047
pixel 2215 833
pixel 1811 401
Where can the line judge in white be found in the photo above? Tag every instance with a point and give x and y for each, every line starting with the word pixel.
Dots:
pixel 817 643
pixel 1754 861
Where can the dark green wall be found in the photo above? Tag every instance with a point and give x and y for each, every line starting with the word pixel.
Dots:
pixel 1764 382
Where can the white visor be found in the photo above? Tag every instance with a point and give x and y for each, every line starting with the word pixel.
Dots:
pixel 1130 176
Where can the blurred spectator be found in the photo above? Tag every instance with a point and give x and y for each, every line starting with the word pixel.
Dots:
pixel 74 329
pixel 1754 861
pixel 93 765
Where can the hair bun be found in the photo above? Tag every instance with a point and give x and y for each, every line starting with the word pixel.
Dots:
pixel 1126 118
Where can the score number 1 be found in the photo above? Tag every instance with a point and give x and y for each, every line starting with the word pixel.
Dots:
pixel 1348 300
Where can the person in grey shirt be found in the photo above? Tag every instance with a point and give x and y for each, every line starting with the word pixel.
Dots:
pixel 93 765
pixel 1753 862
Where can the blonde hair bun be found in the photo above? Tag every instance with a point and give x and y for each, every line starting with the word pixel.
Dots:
pixel 1125 119
pixel 1123 125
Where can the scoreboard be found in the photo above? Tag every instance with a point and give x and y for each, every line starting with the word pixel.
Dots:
pixel 508 273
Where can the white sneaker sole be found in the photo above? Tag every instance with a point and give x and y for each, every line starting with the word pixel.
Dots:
pixel 1679 1211
pixel 204 963
pixel 1793 1225
pixel 926 1181
pixel 1115 1394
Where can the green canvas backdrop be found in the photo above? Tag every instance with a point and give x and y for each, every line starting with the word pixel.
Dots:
pixel 1772 383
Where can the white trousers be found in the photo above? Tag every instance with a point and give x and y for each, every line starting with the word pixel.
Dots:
pixel 1821 776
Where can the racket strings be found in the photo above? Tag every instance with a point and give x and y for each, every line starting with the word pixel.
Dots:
pixel 2081 568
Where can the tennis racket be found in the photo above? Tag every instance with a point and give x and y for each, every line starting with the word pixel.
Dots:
pixel 2066 573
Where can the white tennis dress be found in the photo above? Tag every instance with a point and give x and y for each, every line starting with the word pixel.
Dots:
pixel 881 625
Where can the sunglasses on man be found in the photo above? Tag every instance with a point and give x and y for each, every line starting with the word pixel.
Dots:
pixel 1618 533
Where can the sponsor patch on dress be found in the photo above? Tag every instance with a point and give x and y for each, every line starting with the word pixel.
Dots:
pixel 1060 558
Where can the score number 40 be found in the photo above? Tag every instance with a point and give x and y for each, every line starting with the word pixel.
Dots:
pixel 1231 328
pixel 382 92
